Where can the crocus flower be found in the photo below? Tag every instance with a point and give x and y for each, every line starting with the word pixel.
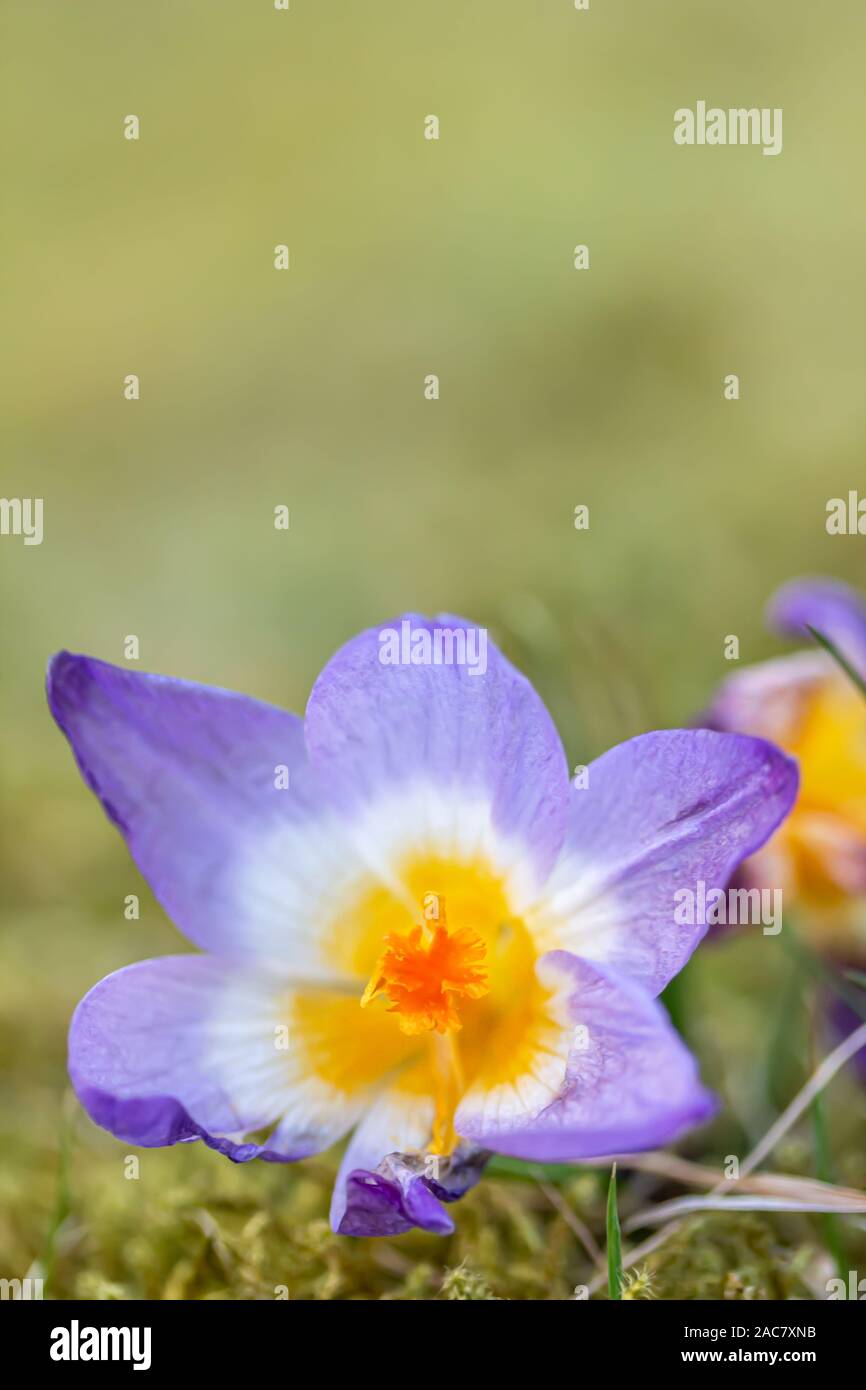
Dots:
pixel 429 938
pixel 807 705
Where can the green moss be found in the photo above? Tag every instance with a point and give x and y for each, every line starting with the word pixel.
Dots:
pixel 193 1226
pixel 727 1257
pixel 463 1283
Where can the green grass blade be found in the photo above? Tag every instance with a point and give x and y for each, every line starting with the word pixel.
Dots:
pixel 614 1241
pixel 824 1171
pixel 502 1167
pixel 63 1196
pixel 782 1068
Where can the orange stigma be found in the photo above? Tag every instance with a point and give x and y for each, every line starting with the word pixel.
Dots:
pixel 426 972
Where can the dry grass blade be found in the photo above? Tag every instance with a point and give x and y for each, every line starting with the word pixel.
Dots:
pixel 769 1184
pixel 822 1075
pixel 682 1206
pixel 820 1078
pixel 573 1221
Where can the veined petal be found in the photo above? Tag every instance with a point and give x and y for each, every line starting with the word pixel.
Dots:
pixel 661 813
pixel 447 736
pixel 834 609
pixel 628 1082
pixel 190 1047
pixel 188 773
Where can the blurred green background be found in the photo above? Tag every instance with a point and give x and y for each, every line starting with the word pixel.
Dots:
pixel 558 387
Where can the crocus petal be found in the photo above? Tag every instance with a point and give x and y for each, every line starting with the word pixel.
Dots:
pixel 661 813
pixel 770 699
pixel 189 775
pixel 472 753
pixel 191 1047
pixel 838 847
pixel 378 1192
pixel 834 609
pixel 629 1083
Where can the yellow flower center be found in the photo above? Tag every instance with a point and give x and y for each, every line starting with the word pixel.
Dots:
pixel 425 972
pixel 830 742
pixel 446 1008
pixel 820 841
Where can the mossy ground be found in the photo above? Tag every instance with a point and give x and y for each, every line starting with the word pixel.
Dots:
pixel 191 1225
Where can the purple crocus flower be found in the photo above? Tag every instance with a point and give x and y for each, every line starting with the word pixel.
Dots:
pixel 809 707
pixel 812 709
pixel 416 929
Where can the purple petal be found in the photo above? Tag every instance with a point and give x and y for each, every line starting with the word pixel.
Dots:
pixel 834 609
pixel 186 1047
pixel 443 734
pixel 629 1082
pixel 189 775
pixel 397 1195
pixel 390 1201
pixel 662 813
pixel 382 1190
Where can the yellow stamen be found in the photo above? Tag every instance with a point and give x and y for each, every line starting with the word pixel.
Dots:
pixel 450 1086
